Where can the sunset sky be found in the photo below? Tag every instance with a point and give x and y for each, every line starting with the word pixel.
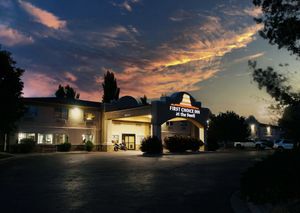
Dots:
pixel 153 46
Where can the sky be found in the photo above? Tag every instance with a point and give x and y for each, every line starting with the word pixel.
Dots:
pixel 154 47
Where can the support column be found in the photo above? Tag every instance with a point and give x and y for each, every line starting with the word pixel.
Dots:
pixel 156 130
pixel 202 138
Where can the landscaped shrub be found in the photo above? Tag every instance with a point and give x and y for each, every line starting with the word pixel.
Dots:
pixel 182 144
pixel 64 147
pixel 273 180
pixel 152 145
pixel 193 144
pixel 26 145
pixel 89 146
pixel 175 144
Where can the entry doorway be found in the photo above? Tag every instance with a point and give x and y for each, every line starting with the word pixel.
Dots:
pixel 129 140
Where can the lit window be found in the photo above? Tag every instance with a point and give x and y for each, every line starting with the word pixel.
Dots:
pixel 23 135
pixel 45 139
pixel 88 116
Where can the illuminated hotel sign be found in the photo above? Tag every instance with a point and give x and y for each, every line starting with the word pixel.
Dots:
pixel 185 108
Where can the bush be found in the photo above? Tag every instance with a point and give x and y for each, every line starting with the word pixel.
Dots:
pixel 89 146
pixel 182 144
pixel 273 180
pixel 175 144
pixel 64 147
pixel 152 145
pixel 193 144
pixel 26 145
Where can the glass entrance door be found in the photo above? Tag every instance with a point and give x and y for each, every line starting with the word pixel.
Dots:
pixel 129 140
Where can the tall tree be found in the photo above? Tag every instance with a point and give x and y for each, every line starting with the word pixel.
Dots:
pixel 281 26
pixel 228 127
pixel 144 100
pixel 110 88
pixel 11 87
pixel 288 101
pixel 281 23
pixel 66 92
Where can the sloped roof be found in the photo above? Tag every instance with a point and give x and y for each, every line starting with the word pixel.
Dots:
pixel 62 101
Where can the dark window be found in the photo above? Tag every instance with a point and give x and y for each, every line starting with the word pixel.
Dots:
pixel 61 113
pixel 31 112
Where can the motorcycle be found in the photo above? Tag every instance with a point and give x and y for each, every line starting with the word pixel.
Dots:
pixel 121 146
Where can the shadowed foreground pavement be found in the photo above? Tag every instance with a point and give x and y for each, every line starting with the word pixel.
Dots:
pixel 122 182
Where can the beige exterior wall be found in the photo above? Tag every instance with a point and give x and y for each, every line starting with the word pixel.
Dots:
pixel 75 126
pixel 115 129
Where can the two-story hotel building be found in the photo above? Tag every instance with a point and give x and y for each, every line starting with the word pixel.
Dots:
pixel 51 121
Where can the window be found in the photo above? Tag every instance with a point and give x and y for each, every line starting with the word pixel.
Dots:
pixel 45 139
pixel 87 137
pixel 89 116
pixel 60 138
pixel 169 123
pixel 22 135
pixel 31 112
pixel 61 113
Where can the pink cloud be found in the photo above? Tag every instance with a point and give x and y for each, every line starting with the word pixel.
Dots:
pixel 39 85
pixel 71 77
pixel 12 37
pixel 42 16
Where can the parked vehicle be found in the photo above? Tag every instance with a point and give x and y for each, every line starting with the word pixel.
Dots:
pixel 250 144
pixel 121 146
pixel 284 144
pixel 267 143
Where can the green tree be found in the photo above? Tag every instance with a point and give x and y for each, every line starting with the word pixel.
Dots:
pixel 144 100
pixel 281 23
pixel 110 88
pixel 281 26
pixel 66 92
pixel 228 127
pixel 288 101
pixel 11 87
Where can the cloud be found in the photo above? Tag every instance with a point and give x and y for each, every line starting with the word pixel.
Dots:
pixel 71 77
pixel 42 16
pixel 253 11
pixel 39 84
pixel 126 5
pixel 182 63
pixel 249 57
pixel 12 37
pixel 115 36
pixel 182 15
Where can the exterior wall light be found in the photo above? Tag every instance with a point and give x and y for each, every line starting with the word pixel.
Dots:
pixel 252 127
pixel 76 113
pixel 269 130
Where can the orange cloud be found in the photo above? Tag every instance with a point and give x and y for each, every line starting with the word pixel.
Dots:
pixel 42 16
pixel 183 63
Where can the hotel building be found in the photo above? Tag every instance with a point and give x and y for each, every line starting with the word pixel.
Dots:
pixel 51 121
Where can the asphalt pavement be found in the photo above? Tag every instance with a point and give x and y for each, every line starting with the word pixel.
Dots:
pixel 122 182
